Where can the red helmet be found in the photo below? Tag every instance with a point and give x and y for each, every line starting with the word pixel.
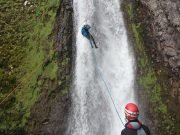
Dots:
pixel 131 111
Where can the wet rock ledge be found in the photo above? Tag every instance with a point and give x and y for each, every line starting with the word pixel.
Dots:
pixel 50 113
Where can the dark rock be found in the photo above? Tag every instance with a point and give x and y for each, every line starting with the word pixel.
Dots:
pixel 178 63
pixel 45 121
pixel 161 21
pixel 165 25
pixel 172 62
pixel 170 51
pixel 49 116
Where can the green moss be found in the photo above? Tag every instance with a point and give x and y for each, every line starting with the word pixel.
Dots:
pixel 51 71
pixel 65 61
pixel 129 10
pixel 148 79
pixel 26 42
pixel 1 74
pixel 65 91
pixel 177 127
pixel 137 37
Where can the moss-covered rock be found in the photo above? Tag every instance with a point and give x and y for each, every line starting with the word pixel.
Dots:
pixel 151 76
pixel 27 39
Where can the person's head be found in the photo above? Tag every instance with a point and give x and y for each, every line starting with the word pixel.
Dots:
pixel 86 26
pixel 131 111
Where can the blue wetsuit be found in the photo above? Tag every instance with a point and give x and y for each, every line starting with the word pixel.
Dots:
pixel 85 32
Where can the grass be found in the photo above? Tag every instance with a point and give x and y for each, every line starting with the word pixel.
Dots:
pixel 26 43
pixel 51 71
pixel 148 79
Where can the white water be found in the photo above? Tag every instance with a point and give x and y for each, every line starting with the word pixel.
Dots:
pixel 92 111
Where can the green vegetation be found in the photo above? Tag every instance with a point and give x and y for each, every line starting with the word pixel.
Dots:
pixel 26 42
pixel 147 77
pixel 129 11
pixel 51 71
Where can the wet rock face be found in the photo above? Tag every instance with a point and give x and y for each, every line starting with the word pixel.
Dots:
pixel 166 30
pixel 162 26
pixel 50 114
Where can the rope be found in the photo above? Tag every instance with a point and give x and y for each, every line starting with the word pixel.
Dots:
pixel 31 73
pixel 100 74
pixel 109 93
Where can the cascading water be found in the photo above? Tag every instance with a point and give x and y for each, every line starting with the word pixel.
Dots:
pixel 93 112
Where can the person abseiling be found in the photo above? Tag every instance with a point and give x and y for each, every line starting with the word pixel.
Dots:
pixel 133 125
pixel 85 32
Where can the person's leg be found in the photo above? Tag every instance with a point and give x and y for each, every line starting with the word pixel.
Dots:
pixel 89 38
pixel 93 41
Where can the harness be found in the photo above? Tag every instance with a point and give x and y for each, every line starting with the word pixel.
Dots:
pixel 136 126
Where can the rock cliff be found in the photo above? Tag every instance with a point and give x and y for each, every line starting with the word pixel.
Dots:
pixel 50 114
pixel 165 28
pixel 154 28
pixel 161 21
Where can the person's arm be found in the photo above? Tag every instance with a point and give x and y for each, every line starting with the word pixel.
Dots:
pixel 89 27
pixel 146 129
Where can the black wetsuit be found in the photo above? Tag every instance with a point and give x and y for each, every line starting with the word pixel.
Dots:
pixel 135 128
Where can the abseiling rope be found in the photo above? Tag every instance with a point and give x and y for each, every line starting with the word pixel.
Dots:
pixel 108 90
pixel 100 74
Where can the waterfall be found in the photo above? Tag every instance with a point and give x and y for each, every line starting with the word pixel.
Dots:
pixel 93 112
